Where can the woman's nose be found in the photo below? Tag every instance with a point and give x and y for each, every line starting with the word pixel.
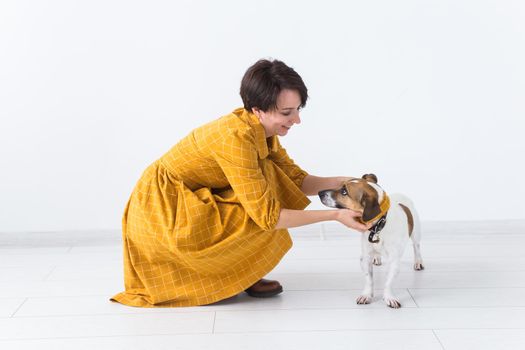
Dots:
pixel 297 119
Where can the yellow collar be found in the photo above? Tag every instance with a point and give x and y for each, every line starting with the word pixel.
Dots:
pixel 384 206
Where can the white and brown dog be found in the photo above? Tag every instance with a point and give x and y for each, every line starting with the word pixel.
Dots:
pixel 393 218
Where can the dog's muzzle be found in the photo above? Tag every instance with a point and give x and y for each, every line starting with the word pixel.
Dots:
pixel 327 199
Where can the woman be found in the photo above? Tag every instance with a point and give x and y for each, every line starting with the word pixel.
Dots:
pixel 208 219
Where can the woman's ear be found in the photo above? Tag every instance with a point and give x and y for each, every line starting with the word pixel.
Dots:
pixel 256 111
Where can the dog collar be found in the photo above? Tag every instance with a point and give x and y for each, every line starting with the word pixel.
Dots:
pixel 373 237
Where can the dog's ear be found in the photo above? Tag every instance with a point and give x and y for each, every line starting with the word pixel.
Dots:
pixel 371 207
pixel 370 178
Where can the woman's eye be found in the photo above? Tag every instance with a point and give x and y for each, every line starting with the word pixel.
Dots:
pixel 286 114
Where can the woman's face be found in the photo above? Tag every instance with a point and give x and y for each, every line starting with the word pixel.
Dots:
pixel 281 119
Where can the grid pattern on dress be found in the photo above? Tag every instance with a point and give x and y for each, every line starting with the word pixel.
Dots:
pixel 199 225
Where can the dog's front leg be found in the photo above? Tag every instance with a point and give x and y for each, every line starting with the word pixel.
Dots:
pixel 388 296
pixel 367 268
pixel 367 254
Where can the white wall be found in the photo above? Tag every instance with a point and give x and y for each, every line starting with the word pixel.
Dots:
pixel 429 95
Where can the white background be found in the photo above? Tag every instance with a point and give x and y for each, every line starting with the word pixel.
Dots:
pixel 428 95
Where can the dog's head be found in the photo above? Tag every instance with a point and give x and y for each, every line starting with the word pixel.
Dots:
pixel 363 195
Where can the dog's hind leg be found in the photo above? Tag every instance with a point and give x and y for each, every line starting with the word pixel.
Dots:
pixel 416 238
pixel 418 261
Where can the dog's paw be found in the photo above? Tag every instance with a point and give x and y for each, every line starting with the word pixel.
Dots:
pixel 377 261
pixel 418 266
pixel 392 302
pixel 364 299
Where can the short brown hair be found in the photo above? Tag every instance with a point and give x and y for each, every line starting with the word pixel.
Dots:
pixel 263 82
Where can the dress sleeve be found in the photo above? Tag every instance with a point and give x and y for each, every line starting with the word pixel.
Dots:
pixel 283 161
pixel 237 156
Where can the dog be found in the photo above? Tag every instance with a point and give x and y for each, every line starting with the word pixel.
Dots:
pixel 394 220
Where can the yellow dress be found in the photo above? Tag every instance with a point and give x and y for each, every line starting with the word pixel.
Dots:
pixel 200 224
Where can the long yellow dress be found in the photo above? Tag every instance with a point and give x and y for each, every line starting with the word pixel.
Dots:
pixel 200 224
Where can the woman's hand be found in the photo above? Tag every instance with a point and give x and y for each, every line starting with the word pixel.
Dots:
pixel 347 218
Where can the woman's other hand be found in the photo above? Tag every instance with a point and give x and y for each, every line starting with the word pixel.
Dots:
pixel 348 218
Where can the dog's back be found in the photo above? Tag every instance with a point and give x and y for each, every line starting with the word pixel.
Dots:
pixel 409 211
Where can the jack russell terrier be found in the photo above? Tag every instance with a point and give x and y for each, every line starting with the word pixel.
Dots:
pixel 393 218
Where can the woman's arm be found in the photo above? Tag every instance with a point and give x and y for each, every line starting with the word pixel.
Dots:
pixel 293 218
pixel 313 184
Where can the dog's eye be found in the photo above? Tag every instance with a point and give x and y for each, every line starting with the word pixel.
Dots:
pixel 343 191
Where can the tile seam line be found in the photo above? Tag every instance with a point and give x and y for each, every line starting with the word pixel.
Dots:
pixel 263 310
pixel 264 331
pixel 438 340
pixel 18 308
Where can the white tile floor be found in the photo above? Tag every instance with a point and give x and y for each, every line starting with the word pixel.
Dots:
pixel 54 290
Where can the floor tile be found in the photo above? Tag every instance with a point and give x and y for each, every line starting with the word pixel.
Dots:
pixel 469 297
pixel 405 279
pixel 96 305
pixel 431 264
pixel 434 250
pixel 482 339
pixel 63 257
pixel 26 273
pixel 369 319
pixel 17 288
pixel 105 325
pixel 75 272
pixel 330 340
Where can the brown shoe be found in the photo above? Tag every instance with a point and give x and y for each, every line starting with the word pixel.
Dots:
pixel 264 289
